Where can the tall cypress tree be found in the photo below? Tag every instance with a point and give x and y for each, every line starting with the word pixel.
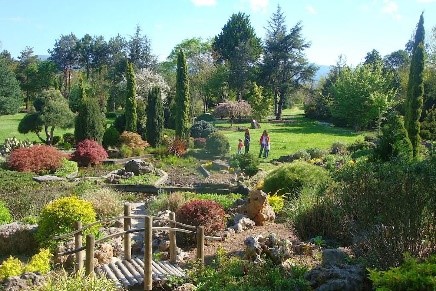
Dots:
pixel 182 98
pixel 415 88
pixel 155 117
pixel 130 107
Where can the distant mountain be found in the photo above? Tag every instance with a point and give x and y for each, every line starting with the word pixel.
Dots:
pixel 322 72
pixel 42 57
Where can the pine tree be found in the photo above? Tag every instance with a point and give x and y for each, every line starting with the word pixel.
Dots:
pixel 415 88
pixel 130 109
pixel 155 117
pixel 90 120
pixel 182 98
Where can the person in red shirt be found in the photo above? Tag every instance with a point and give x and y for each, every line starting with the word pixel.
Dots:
pixel 264 144
pixel 240 146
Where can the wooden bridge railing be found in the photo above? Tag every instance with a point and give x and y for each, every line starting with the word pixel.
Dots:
pixel 128 230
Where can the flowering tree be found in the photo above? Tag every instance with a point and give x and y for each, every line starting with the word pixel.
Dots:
pixel 146 79
pixel 232 109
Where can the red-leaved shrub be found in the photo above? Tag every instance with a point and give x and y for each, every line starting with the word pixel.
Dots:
pixel 41 159
pixel 205 213
pixel 89 152
pixel 178 147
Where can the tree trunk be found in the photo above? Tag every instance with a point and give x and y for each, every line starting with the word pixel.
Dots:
pixel 280 106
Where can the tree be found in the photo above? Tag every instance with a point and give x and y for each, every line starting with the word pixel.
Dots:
pixel 360 96
pixel 139 51
pixel 182 100
pixel 10 93
pixel 90 121
pixel 130 109
pixel 238 46
pixel 27 74
pixel 65 56
pixel 259 101
pixel 284 66
pixel 415 88
pixel 155 118
pixel 51 111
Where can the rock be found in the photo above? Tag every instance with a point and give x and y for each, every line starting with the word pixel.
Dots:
pixel 138 167
pixel 257 208
pixel 27 281
pixel 219 165
pixel 332 257
pixel 253 247
pixel 242 223
pixel 254 124
pixel 17 238
pixel 186 287
pixel 337 277
pixel 48 178
pixel 164 246
pixel 104 254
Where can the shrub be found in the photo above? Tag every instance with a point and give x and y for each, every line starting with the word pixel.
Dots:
pixel 201 212
pixel 217 144
pixel 206 117
pixel 316 153
pixel 5 215
pixel 13 143
pixel 277 202
pixel 200 142
pixel 411 275
pixel 132 140
pixel 248 163
pixel 106 202
pixel 178 147
pixel 338 148
pixel 125 151
pixel 171 201
pixel 67 168
pixel 11 267
pixel 59 216
pixel 69 138
pixel 293 177
pixel 62 281
pixel 89 152
pixel 56 139
pixel 111 137
pixel 39 262
pixel 40 159
pixel 301 155
pixel 202 129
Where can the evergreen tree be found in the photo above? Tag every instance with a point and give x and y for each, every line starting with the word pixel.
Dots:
pixel 415 88
pixel 90 121
pixel 130 107
pixel 155 117
pixel 182 98
pixel 10 93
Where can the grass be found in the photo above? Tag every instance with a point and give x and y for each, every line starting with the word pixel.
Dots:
pixel 295 133
pixel 9 128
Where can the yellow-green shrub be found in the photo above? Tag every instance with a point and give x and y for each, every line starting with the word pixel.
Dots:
pixel 11 267
pixel 106 202
pixel 62 281
pixel 277 202
pixel 39 262
pixel 58 217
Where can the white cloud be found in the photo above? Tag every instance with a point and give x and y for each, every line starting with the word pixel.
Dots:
pixel 390 7
pixel 311 9
pixel 258 5
pixel 426 1
pixel 204 2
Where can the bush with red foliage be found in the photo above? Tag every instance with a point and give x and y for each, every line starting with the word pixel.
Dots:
pixel 41 159
pixel 205 213
pixel 178 147
pixel 89 152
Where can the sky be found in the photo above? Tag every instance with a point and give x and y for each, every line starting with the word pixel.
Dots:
pixel 333 27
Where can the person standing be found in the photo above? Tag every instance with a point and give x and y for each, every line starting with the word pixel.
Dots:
pixel 264 144
pixel 240 146
pixel 247 140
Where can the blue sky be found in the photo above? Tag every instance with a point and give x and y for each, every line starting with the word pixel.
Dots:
pixel 334 27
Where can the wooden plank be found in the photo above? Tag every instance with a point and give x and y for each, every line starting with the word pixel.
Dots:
pixel 174 270
pixel 129 276
pixel 109 274
pixel 167 270
pixel 119 275
pixel 157 266
pixel 139 277
pixel 158 275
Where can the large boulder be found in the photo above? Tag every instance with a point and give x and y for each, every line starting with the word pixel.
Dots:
pixel 138 167
pixel 257 208
pixel 17 238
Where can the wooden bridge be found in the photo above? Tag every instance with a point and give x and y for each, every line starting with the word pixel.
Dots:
pixel 131 271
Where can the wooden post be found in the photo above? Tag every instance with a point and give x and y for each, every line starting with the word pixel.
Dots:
pixel 90 245
pixel 200 244
pixel 173 243
pixel 148 252
pixel 127 236
pixel 78 244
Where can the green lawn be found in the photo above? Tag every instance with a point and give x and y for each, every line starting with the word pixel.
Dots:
pixel 296 133
pixel 9 128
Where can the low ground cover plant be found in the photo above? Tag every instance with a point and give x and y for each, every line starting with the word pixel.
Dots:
pixel 5 215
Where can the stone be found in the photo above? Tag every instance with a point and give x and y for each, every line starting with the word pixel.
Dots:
pixel 332 257
pixel 138 167
pixel 219 165
pixel 17 239
pixel 257 208
pixel 104 254
pixel 164 246
pixel 186 287
pixel 48 178
pixel 254 124
pixel 337 277
pixel 242 223
pixel 253 247
pixel 27 281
